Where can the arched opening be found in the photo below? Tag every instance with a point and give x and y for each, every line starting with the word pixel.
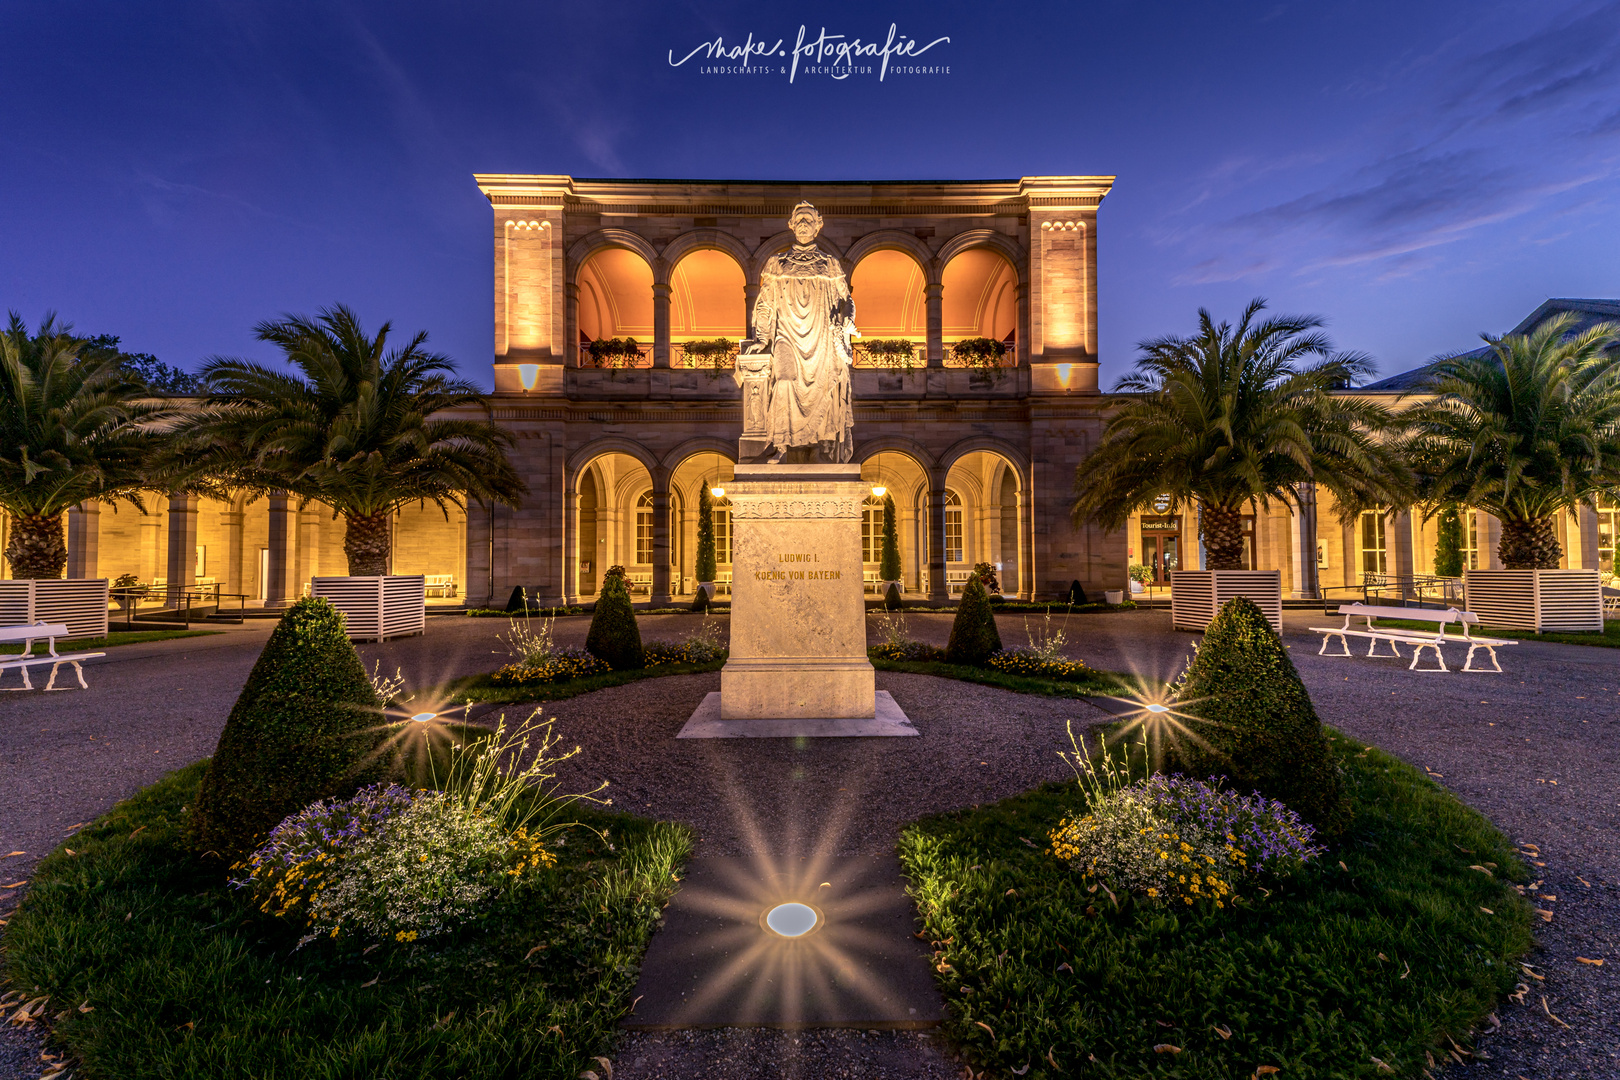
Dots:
pixel 982 521
pixel 903 479
pixel 610 489
pixel 705 469
pixel 615 301
pixel 706 302
pixel 887 287
pixel 979 300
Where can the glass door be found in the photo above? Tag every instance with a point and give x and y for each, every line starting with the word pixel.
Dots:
pixel 1161 548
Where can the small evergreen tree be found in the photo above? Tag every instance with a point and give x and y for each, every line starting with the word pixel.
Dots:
pixel 700 602
pixel 1253 719
pixel 1448 543
pixel 307 726
pixel 614 636
pixel 705 536
pixel 974 637
pixel 889 561
pixel 1077 593
pixel 891 598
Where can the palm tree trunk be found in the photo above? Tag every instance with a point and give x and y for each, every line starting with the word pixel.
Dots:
pixel 36 549
pixel 1223 537
pixel 1529 545
pixel 366 543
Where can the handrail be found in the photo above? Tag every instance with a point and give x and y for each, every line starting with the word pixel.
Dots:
pixel 1396 590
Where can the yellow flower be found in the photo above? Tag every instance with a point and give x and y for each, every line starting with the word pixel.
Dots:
pixel 1152 891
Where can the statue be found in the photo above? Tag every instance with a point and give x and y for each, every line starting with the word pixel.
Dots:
pixel 800 355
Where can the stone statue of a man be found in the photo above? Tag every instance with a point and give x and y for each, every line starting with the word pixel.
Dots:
pixel 803 319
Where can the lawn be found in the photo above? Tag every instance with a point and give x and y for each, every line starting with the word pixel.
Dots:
pixel 1375 954
pixel 156 969
pixel 1091 684
pixel 111 641
pixel 481 689
pixel 1609 639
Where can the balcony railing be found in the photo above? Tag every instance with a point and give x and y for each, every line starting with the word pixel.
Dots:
pixel 1008 358
pixel 865 357
pixel 703 357
pixel 641 358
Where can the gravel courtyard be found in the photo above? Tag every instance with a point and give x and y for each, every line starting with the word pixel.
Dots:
pixel 1537 750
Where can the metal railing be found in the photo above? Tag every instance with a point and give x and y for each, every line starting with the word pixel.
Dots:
pixel 1009 357
pixel 866 358
pixel 188 606
pixel 642 358
pixel 701 361
pixel 1391 590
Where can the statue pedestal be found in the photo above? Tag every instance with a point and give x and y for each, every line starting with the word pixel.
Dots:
pixel 798 609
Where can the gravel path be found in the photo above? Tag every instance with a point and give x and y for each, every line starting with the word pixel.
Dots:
pixel 1537 750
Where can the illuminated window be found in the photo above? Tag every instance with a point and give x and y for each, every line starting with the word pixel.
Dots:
pixel 644 529
pixel 953 527
pixel 1372 543
pixel 1608 523
pixel 1470 538
pixel 872 530
pixel 722 531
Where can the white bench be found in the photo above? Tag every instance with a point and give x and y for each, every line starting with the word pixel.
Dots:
pixel 28 635
pixel 440 585
pixel 1419 640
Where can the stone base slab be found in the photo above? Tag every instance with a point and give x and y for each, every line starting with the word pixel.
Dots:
pixel 706 723
pixel 759 689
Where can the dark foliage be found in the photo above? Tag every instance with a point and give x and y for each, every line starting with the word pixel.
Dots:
pixel 307 726
pixel 891 598
pixel 974 637
pixel 1077 593
pixel 1255 717
pixel 1448 543
pixel 700 602
pixel 614 635
pixel 704 570
pixel 889 561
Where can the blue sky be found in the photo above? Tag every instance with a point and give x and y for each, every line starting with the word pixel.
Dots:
pixel 1415 172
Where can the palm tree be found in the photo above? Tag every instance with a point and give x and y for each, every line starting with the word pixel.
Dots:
pixel 72 427
pixel 1239 414
pixel 354 426
pixel 1524 429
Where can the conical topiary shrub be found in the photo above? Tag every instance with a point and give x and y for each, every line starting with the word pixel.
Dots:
pixel 614 636
pixel 704 570
pixel 974 637
pixel 1250 708
pixel 889 548
pixel 700 602
pixel 891 598
pixel 307 726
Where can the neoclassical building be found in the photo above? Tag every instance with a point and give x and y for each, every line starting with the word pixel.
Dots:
pixel 618 306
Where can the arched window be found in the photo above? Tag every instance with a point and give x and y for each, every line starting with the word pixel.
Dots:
pixel 953 527
pixel 872 529
pixel 644 529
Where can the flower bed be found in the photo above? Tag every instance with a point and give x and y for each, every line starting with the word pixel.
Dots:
pixel 694 651
pixel 1369 953
pixel 913 651
pixel 164 970
pixel 565 663
pixel 1022 661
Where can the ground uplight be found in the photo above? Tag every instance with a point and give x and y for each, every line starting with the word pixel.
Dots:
pixel 424 717
pixel 792 920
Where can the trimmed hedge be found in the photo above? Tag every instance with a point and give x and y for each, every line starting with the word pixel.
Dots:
pixel 974 637
pixel 307 726
pixel 1255 718
pixel 614 635
pixel 891 598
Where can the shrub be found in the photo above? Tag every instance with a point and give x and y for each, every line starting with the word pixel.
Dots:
pixel 1077 593
pixel 1035 662
pixel 891 598
pixel 889 552
pixel 563 663
pixel 986 572
pixel 974 638
pixel 700 602
pixel 1252 718
pixel 1448 543
pixel 919 651
pixel 305 727
pixel 702 646
pixel 705 566
pixel 614 635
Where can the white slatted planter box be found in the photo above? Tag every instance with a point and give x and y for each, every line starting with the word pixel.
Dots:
pixel 1569 601
pixel 377 608
pixel 78 603
pixel 1196 595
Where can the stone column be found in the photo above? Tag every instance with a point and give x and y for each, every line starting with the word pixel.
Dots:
pixel 1398 548
pixel 1026 570
pixel 933 297
pixel 938 590
pixel 308 558
pixel 661 291
pixel 232 520
pixel 1582 550
pixel 660 596
pixel 1488 536
pixel 1306 585
pixel 911 561
pixel 151 567
pixel 750 294
pixel 571 324
pixel 182 560
pixel 570 545
pixel 1023 324
pixel 280 589
pixel 84 539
